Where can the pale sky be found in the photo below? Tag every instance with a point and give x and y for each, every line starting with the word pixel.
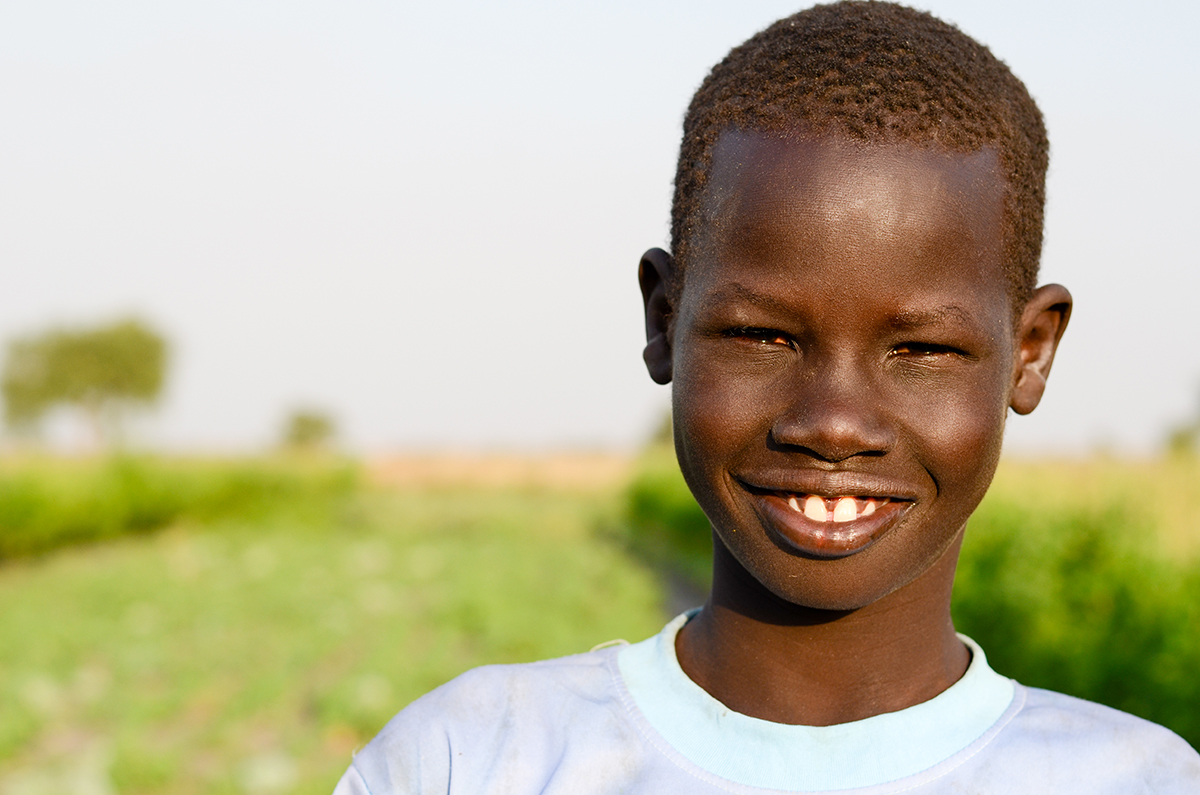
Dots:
pixel 426 219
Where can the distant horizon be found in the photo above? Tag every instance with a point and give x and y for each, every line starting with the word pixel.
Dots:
pixel 448 450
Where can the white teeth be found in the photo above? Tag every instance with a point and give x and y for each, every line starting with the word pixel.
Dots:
pixel 845 510
pixel 814 508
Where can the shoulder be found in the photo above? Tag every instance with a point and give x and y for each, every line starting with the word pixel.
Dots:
pixel 1054 716
pixel 1077 738
pixel 488 713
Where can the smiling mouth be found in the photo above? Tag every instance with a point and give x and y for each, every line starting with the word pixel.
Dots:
pixel 828 526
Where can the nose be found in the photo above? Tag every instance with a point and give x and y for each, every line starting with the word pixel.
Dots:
pixel 834 415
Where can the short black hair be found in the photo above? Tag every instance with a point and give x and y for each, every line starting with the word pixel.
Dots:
pixel 877 72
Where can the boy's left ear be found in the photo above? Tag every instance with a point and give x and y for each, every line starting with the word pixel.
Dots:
pixel 1042 325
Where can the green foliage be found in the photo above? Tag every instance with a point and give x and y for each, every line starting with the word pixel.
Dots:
pixel 256 656
pixel 100 371
pixel 46 504
pixel 666 526
pixel 1082 602
pixel 308 430
pixel 1078 598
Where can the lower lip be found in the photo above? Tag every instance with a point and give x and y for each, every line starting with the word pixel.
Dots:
pixel 827 539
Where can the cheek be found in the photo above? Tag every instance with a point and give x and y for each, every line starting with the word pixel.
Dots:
pixel 960 437
pixel 716 418
pixel 716 411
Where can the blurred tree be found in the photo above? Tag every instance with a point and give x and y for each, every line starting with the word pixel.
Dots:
pixel 103 372
pixel 308 430
pixel 1184 439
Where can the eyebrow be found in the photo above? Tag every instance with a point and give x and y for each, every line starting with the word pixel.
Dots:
pixel 904 320
pixel 918 318
pixel 733 292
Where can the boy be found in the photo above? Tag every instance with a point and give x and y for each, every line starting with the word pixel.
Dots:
pixel 849 312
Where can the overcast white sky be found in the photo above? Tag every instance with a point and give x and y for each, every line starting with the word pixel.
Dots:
pixel 426 218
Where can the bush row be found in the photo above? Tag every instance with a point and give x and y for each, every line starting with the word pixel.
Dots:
pixel 1079 599
pixel 46 503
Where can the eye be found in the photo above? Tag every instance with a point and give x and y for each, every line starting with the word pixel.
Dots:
pixel 925 350
pixel 764 336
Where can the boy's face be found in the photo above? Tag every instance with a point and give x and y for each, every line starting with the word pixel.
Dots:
pixel 843 358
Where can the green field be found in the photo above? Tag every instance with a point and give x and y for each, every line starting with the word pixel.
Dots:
pixel 242 626
pixel 253 656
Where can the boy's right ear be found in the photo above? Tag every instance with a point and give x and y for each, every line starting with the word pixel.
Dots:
pixel 655 272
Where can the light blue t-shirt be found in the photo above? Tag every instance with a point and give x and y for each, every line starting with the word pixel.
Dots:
pixel 629 720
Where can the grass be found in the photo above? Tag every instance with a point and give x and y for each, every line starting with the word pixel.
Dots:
pixel 253 655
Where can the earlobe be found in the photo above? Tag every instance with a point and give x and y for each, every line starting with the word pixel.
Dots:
pixel 1042 325
pixel 655 273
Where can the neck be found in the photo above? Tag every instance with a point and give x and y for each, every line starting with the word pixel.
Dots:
pixel 767 658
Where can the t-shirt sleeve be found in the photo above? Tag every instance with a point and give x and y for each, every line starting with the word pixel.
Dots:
pixel 351 783
pixel 410 756
pixel 1172 766
pixel 1087 747
pixel 499 728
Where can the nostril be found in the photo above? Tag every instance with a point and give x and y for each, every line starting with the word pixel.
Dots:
pixel 829 453
pixel 832 433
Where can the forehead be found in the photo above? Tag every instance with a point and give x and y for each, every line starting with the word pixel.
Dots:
pixel 884 210
pixel 887 190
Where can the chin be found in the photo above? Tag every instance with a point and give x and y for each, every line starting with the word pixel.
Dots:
pixel 840 585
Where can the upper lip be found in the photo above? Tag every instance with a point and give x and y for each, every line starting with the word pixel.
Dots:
pixel 826 484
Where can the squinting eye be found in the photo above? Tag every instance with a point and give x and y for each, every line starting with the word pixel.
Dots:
pixel 923 349
pixel 760 335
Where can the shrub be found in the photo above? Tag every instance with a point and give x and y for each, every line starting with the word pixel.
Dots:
pixel 1079 602
pixel 665 525
pixel 308 429
pixel 46 504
